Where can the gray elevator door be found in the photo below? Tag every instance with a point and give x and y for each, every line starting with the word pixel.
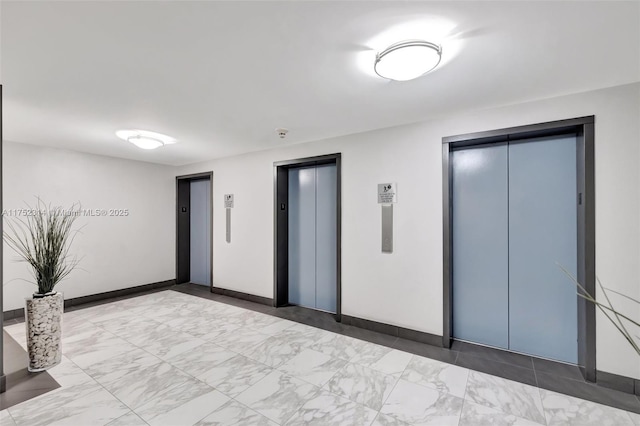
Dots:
pixel 543 305
pixel 514 220
pixel 480 246
pixel 200 221
pixel 312 237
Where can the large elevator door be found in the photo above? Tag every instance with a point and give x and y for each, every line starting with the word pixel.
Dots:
pixel 200 232
pixel 543 306
pixel 480 246
pixel 312 237
pixel 514 221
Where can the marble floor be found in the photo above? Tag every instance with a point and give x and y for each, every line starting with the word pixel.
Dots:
pixel 170 358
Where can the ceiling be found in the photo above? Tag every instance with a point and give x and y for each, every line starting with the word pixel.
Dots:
pixel 221 76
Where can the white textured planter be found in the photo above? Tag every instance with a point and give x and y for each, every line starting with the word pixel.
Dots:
pixel 43 319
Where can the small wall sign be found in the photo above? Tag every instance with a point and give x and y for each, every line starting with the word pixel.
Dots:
pixel 228 201
pixel 387 193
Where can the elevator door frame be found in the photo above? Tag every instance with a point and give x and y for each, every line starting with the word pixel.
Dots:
pixel 583 128
pixel 183 226
pixel 281 226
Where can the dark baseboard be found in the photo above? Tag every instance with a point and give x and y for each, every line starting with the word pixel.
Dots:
pixel 617 382
pixel 77 301
pixel 392 330
pixel 243 296
pixel 3 383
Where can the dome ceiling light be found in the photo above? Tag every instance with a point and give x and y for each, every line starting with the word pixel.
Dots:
pixel 144 139
pixel 407 60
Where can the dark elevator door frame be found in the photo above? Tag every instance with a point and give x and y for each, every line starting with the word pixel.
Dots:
pixel 281 226
pixel 183 226
pixel 583 128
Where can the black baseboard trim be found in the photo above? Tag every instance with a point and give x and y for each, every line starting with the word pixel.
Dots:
pixel 3 383
pixel 392 330
pixel 77 301
pixel 243 296
pixel 617 382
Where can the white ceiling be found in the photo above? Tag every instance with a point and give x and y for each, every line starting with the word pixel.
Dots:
pixel 221 76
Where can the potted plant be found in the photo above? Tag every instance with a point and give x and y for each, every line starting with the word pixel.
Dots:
pixel 42 237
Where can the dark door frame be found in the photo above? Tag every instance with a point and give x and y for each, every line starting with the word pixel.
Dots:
pixel 183 226
pixel 281 226
pixel 583 128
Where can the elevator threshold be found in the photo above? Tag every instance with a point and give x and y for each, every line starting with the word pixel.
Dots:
pixel 313 309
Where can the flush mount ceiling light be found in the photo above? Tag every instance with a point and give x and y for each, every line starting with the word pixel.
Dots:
pixel 145 139
pixel 407 60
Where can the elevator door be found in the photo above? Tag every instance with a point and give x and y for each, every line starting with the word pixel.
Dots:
pixel 514 221
pixel 543 305
pixel 312 237
pixel 200 232
pixel 480 246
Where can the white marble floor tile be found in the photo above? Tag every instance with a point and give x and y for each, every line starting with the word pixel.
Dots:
pixel 129 419
pixel 200 359
pixel 566 410
pixel 384 420
pixel 165 342
pixel 505 395
pixel 97 347
pixel 241 340
pixel 6 419
pixel 474 414
pixel 437 375
pixel 68 374
pixel 185 404
pixel 274 351
pixel 122 366
pixel 339 346
pixel 235 414
pixel 419 405
pixel 235 375
pixel 114 362
pixel 85 404
pixel 277 396
pixel 139 382
pixel 313 367
pixel 304 335
pixel 275 327
pixel 362 385
pixel 328 409
pixel 383 359
pixel 210 330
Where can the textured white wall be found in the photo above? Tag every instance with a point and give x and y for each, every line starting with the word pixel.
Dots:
pixel 118 252
pixel 405 288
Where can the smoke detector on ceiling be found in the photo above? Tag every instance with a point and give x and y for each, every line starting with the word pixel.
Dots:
pixel 282 133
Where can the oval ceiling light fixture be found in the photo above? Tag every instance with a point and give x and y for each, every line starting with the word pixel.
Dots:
pixel 145 139
pixel 407 60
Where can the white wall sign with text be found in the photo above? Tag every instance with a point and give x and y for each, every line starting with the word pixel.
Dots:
pixel 387 193
pixel 228 201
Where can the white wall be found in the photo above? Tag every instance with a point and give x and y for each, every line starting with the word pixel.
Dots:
pixel 405 288
pixel 118 252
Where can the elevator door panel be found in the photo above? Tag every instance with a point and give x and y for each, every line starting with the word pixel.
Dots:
pixel 200 232
pixel 326 237
pixel 542 235
pixel 480 245
pixel 312 237
pixel 302 237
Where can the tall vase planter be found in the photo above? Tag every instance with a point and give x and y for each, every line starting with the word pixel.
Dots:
pixel 43 320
